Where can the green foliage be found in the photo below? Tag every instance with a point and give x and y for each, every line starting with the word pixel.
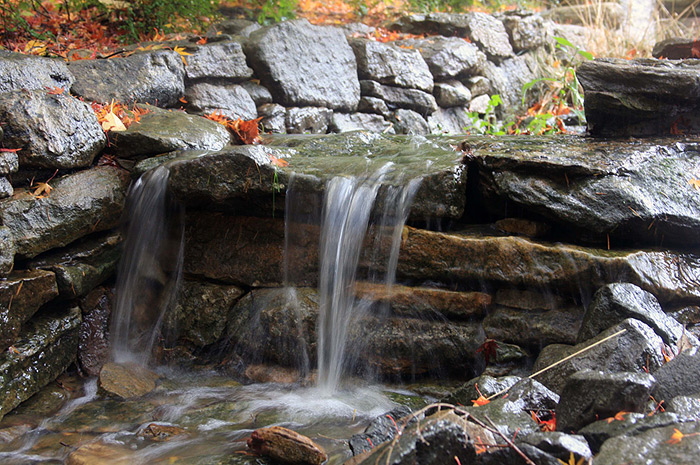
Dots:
pixel 274 11
pixel 142 17
pixel 488 123
pixel 13 19
pixel 564 87
pixel 456 6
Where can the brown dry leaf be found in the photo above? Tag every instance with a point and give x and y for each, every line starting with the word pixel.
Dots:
pixel 111 122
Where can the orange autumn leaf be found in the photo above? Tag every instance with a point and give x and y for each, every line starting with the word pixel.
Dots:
pixel 55 90
pixel 202 41
pixel 278 161
pixel 695 183
pixel 246 131
pixel 182 52
pixel 676 437
pixel 545 425
pixel 619 416
pixel 481 400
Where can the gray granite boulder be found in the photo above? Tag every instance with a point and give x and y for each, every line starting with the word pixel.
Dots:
pixel 448 57
pixel 453 120
pixel 52 130
pixel 305 65
pixel 273 118
pixel 508 78
pixel 679 377
pixel 19 71
pixel 526 31
pixel 6 189
pixel 260 94
pixel 343 122
pixel 218 60
pixel 231 100
pixel 391 64
pixel 155 77
pixel 409 122
pixel 7 251
pixel 307 120
pixel 451 94
pixel 373 105
pixel 398 97
pixel 9 162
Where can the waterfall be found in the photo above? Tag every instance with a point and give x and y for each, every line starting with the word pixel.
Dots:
pixel 347 209
pixel 150 267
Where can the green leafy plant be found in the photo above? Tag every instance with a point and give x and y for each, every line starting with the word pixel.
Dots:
pixel 274 11
pixel 564 93
pixel 142 17
pixel 488 123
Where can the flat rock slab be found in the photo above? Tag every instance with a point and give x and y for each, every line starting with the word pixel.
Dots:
pixel 641 97
pixel 156 78
pixel 21 295
pixel 231 100
pixel 19 71
pixel 633 192
pixel 50 342
pixel 127 380
pixel 80 203
pixel 305 65
pixel 52 130
pixel 219 60
pixel 161 131
pixel 245 179
pixel 448 57
pixel 287 446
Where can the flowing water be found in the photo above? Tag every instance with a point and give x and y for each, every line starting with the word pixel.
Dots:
pixel 150 267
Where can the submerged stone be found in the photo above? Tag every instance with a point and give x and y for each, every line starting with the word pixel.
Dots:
pixel 127 381
pixel 286 446
pixel 43 350
pixel 80 203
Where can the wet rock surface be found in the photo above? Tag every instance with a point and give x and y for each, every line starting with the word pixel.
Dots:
pixel 126 381
pixel 93 345
pixel 679 376
pixel 392 65
pixel 80 203
pixel 52 130
pixel 286 446
pixel 156 78
pixel 231 100
pixel 643 97
pixel 30 72
pixel 162 131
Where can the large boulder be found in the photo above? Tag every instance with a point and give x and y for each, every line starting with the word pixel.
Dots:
pixel 80 203
pixel 631 192
pixel 154 77
pixel 392 65
pixel 52 130
pixel 305 65
pixel 641 97
pixel 19 71
pixel 398 97
pixel 162 131
pixel 44 350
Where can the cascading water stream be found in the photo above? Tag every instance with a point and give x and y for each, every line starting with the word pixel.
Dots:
pixel 150 267
pixel 348 205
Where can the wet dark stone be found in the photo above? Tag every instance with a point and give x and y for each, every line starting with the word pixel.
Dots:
pixel 559 444
pixel 44 349
pixel 482 385
pixel 162 131
pixel 438 439
pixel 7 251
pixel 80 203
pixel 535 327
pixel 652 447
pixel 52 131
pixel 344 122
pixel 305 65
pixel 636 350
pixel 679 377
pixel 22 292
pixel 632 192
pixel 509 456
pixel 392 65
pixel 9 161
pixel 81 266
pixel 93 345
pixel 640 97
pixel 20 71
pixel 381 429
pixel 273 118
pixel 231 100
pixel 685 406
pixel 307 120
pixel 451 94
pixel 200 313
pixel 533 395
pixel 675 48
pixel 615 302
pixel 508 417
pixel 589 395
pixel 399 97
pixel 155 77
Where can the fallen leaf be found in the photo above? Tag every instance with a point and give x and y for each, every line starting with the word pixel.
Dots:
pixel 278 161
pixel 181 51
pixel 202 41
pixel 676 437
pixel 488 349
pixel 545 425
pixel 572 460
pixel 55 90
pixel 43 189
pixel 481 400
pixel 695 183
pixel 619 416
pixel 247 131
pixel 111 122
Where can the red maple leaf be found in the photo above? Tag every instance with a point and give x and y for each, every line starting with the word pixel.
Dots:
pixel 488 348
